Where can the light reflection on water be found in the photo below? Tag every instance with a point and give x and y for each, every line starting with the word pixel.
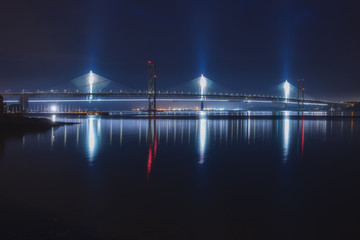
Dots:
pixel 108 170
pixel 202 140
pixel 286 138
pixel 91 139
pixel 100 133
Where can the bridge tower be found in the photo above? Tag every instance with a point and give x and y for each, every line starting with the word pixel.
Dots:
pixel 152 86
pixel 301 93
pixel 202 91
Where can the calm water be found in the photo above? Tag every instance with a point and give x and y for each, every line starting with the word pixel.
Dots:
pixel 111 178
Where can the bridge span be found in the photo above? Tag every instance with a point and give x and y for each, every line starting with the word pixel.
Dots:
pixel 23 98
pixel 152 95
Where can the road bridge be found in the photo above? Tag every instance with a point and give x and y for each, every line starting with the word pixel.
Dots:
pixel 152 95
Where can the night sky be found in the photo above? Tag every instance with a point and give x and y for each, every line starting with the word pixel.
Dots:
pixel 246 45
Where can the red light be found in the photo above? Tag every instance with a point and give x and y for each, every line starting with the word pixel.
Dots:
pixel 303 89
pixel 155 76
pixel 149 62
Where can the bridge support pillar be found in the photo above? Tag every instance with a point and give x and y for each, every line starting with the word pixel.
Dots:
pixel 24 103
pixel 301 94
pixel 202 106
pixel 152 86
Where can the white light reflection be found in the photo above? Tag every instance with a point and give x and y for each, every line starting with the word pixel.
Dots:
pixel 248 125
pixel 182 132
pixel 65 136
pixel 189 132
pixel 99 127
pixel 91 139
pixel 77 134
pixel 174 131
pixel 121 131
pixel 202 139
pixel 52 138
pixel 286 136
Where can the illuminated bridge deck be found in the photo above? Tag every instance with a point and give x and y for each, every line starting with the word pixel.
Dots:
pixel 56 96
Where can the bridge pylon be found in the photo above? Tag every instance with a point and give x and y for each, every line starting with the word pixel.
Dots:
pixel 301 94
pixel 152 86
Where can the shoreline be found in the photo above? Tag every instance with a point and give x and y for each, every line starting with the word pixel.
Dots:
pixel 229 117
pixel 20 123
pixel 207 115
pixel 42 122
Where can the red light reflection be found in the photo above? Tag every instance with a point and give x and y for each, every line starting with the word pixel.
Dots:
pixel 302 137
pixel 152 146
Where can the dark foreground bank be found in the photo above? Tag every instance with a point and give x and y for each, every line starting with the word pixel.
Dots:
pixel 9 122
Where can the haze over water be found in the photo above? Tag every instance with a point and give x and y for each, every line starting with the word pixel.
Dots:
pixel 142 178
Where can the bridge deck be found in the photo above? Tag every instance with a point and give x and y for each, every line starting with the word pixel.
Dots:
pixel 167 96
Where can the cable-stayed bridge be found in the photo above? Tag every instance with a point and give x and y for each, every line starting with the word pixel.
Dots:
pixel 94 88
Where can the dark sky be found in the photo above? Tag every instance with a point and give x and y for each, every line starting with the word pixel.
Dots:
pixel 246 45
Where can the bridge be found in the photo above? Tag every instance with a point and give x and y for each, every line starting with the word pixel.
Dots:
pixel 152 95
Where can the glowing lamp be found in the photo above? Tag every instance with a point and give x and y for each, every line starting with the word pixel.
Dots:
pixel 53 108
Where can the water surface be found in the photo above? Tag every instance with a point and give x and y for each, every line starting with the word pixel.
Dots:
pixel 138 178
